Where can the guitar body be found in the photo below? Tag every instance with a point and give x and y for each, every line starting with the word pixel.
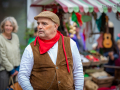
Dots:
pixel 107 42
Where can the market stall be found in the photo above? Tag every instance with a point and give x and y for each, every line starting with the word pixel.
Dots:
pixel 92 60
pixel 75 6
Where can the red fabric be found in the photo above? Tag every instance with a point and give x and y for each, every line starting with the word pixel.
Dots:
pixel 118 13
pixel 45 45
pixel 100 41
pixel 65 53
pixel 55 10
pixel 84 34
pixel 79 18
pixel 107 88
pixel 117 61
pixel 92 58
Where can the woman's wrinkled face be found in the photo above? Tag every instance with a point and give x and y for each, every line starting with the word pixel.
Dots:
pixel 8 28
pixel 47 29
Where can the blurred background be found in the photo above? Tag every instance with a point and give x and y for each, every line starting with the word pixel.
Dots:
pixel 25 10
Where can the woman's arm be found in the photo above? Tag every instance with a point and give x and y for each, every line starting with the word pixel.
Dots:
pixel 4 60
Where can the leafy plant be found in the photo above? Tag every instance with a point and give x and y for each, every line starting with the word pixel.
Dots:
pixel 29 32
pixel 67 26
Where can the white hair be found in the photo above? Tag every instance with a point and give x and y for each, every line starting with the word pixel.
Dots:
pixel 13 22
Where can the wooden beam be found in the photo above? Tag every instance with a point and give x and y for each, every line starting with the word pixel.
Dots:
pixel 109 66
pixel 96 33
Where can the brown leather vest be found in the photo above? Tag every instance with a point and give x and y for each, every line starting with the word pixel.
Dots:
pixel 46 75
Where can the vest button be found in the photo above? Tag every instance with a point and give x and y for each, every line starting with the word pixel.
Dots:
pixel 59 82
pixel 56 67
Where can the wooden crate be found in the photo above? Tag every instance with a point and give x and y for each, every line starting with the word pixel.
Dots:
pixel 90 71
pixel 104 61
pixel 105 82
pixel 95 63
pixel 86 63
pixel 87 78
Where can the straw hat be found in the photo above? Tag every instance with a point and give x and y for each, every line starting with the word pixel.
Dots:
pixel 50 15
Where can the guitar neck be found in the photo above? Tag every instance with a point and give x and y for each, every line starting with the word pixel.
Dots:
pixel 107 29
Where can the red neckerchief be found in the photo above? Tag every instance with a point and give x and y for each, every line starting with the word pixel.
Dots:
pixel 45 45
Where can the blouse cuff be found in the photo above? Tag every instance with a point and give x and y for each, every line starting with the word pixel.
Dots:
pixel 12 71
pixel 17 68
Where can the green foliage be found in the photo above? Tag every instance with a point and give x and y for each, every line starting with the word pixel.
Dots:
pixel 67 26
pixel 29 32
pixel 22 48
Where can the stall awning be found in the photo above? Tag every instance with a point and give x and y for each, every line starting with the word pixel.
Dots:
pixel 83 5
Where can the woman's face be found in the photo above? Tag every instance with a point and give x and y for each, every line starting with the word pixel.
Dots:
pixel 8 27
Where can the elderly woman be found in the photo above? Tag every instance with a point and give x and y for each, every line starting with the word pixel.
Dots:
pixel 9 51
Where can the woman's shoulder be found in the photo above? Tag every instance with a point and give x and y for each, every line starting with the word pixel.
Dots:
pixel 1 36
pixel 2 39
pixel 14 35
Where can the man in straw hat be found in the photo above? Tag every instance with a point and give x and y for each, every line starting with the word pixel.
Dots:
pixel 52 61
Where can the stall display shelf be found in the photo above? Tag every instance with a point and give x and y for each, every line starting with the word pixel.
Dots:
pixel 102 79
pixel 85 61
pixel 92 59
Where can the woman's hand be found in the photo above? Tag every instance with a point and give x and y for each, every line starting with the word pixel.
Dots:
pixel 111 55
pixel 15 73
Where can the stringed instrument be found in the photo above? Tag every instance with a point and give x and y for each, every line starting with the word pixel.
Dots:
pixel 107 42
